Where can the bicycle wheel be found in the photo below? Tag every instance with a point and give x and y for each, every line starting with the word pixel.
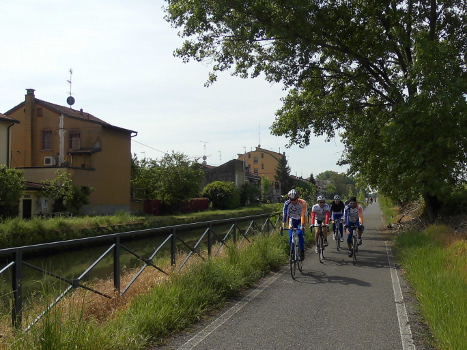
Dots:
pixel 321 247
pixel 337 237
pixel 299 261
pixel 293 260
pixel 354 249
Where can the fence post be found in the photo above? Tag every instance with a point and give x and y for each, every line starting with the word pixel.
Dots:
pixel 234 236
pixel 173 243
pixel 209 239
pixel 17 286
pixel 117 264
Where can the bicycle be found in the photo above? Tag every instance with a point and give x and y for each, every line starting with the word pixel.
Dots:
pixel 294 255
pixel 336 234
pixel 354 243
pixel 320 242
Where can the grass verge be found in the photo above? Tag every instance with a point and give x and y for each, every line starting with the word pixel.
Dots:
pixel 435 263
pixel 168 307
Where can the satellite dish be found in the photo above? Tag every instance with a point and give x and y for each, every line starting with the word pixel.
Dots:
pixel 70 100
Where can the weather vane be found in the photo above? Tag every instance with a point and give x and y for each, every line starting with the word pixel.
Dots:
pixel 70 100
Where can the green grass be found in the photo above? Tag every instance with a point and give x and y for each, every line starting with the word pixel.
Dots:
pixel 387 208
pixel 170 306
pixel 17 232
pixel 436 266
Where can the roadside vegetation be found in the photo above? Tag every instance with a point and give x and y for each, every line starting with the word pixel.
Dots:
pixel 16 232
pixel 152 314
pixel 434 262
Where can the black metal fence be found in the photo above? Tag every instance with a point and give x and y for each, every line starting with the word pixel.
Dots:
pixel 215 234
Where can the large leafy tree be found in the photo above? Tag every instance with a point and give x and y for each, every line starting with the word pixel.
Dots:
pixel 388 75
pixel 172 180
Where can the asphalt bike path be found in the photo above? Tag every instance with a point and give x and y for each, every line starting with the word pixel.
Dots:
pixel 334 305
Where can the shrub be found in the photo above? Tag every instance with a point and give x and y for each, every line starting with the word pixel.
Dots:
pixel 222 194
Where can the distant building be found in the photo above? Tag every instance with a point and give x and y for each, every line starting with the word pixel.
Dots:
pixel 95 153
pixel 263 162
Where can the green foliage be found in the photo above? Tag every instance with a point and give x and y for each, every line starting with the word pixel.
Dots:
pixel 172 180
pixel 11 189
pixel 266 186
pixel 339 183
pixel 308 193
pixel 222 194
pixel 249 193
pixel 79 197
pixel 389 77
pixel 59 189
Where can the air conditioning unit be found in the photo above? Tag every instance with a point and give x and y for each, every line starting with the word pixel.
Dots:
pixel 49 161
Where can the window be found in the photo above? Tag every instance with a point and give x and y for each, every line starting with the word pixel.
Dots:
pixel 262 155
pixel 74 140
pixel 262 166
pixel 249 155
pixel 46 139
pixel 255 160
pixel 256 171
pixel 39 112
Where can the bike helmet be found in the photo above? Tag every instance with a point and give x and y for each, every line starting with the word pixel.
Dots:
pixel 293 194
pixel 321 198
pixel 337 197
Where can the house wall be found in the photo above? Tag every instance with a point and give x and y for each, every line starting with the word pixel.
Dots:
pixel 112 175
pixel 3 141
pixel 266 164
pixel 231 171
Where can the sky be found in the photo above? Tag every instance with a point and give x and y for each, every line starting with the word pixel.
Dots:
pixel 124 72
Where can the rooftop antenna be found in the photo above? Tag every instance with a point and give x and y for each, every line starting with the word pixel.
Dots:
pixel 70 100
pixel 204 154
pixel 259 135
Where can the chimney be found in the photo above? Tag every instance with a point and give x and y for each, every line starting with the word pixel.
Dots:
pixel 29 113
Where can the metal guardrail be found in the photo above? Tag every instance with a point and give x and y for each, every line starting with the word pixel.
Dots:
pixel 14 260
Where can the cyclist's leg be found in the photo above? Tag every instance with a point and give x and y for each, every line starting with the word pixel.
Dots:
pixel 349 238
pixel 341 227
pixel 325 235
pixel 301 242
pixel 359 233
pixel 318 222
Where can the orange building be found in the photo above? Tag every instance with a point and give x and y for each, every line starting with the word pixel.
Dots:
pixel 95 153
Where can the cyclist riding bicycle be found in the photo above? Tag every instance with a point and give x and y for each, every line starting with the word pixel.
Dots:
pixel 295 216
pixel 353 216
pixel 337 210
pixel 320 213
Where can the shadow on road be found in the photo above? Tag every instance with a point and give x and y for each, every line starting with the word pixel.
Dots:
pixel 316 277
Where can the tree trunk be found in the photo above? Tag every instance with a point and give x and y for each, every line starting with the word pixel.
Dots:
pixel 432 207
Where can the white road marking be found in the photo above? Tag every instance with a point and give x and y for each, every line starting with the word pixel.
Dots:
pixel 203 334
pixel 404 326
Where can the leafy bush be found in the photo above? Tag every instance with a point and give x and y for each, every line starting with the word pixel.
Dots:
pixel 222 194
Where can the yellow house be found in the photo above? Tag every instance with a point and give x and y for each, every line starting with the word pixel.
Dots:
pixel 95 153
pixel 5 138
pixel 263 162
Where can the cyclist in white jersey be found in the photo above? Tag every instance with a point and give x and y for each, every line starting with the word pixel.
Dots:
pixel 320 214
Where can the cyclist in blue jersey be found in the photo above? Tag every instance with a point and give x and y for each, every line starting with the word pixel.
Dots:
pixel 294 216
